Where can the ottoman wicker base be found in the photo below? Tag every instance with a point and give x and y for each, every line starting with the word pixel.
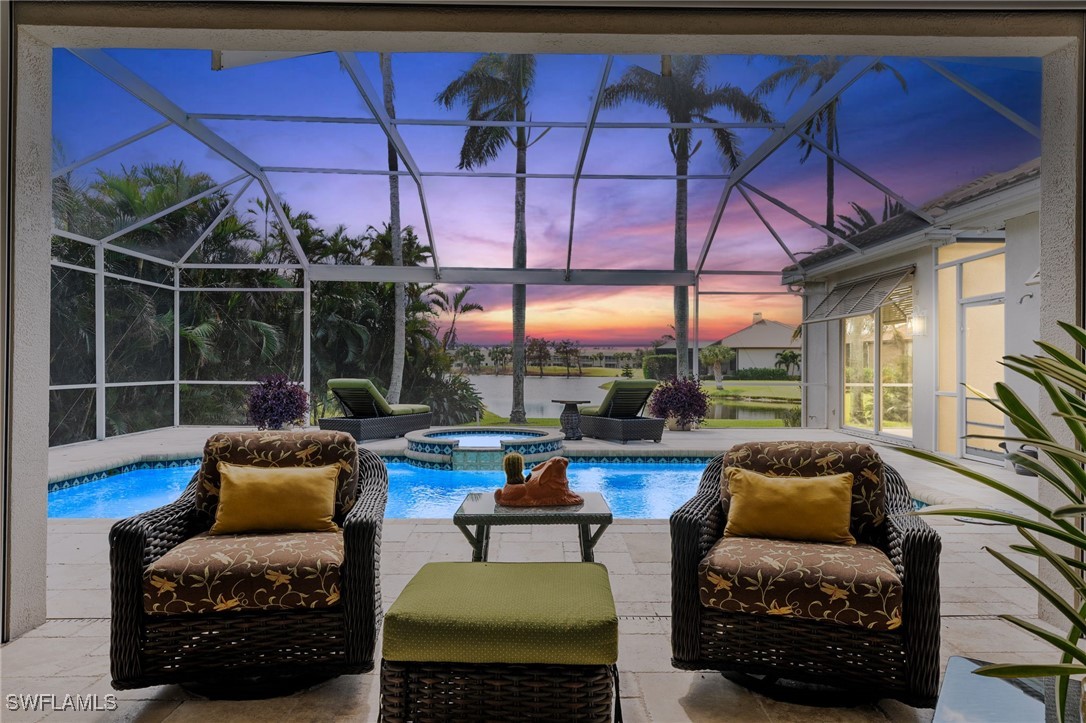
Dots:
pixel 474 641
pixel 493 692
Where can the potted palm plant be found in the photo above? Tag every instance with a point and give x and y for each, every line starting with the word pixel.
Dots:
pixel 1063 379
pixel 681 401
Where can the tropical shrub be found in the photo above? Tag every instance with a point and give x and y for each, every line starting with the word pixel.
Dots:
pixel 681 399
pixel 454 400
pixel 1063 378
pixel 658 366
pixel 276 401
pixel 762 373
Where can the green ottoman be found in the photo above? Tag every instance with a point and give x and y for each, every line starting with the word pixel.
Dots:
pixel 502 641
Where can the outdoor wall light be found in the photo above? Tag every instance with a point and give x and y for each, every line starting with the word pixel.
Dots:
pixel 918 325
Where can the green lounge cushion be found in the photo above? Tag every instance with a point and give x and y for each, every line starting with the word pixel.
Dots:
pixel 399 409
pixel 590 411
pixel 559 613
pixel 624 399
pixel 361 399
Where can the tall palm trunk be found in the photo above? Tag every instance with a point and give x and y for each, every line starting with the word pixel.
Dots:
pixel 399 314
pixel 520 261
pixel 682 164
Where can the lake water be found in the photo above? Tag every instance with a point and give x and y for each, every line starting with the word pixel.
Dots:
pixel 497 393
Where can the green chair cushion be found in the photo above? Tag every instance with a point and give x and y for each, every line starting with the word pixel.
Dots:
pixel 590 411
pixel 360 398
pixel 559 613
pixel 399 409
pixel 626 398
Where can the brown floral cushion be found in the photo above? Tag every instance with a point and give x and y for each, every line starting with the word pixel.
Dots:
pixel 819 459
pixel 847 585
pixel 278 571
pixel 313 448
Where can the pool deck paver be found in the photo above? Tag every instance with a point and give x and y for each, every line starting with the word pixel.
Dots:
pixel 69 654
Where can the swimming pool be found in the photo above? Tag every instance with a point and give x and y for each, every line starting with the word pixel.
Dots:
pixel 634 490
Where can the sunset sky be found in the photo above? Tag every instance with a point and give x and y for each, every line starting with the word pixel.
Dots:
pixel 921 143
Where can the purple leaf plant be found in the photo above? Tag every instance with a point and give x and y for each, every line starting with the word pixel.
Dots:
pixel 276 401
pixel 681 398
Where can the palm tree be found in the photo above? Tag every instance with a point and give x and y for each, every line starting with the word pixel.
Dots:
pixel 399 318
pixel 499 354
pixel 716 356
pixel 682 90
pixel 457 307
pixel 787 359
pixel 801 70
pixel 864 219
pixel 496 88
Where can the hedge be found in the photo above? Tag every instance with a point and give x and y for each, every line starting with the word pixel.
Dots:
pixel 762 373
pixel 658 366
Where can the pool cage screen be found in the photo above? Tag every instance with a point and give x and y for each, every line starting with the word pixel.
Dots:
pixel 176 275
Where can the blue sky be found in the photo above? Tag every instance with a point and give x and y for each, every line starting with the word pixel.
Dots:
pixel 921 143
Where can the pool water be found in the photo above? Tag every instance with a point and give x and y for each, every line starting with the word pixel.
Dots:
pixel 643 491
pixel 481 441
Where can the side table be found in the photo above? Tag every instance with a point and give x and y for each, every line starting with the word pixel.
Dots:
pixel 571 417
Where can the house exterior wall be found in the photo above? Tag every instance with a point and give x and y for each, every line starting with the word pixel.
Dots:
pixel 756 358
pixel 1022 307
pixel 25 520
pixel 823 354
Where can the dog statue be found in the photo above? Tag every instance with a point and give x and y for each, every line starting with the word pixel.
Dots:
pixel 547 486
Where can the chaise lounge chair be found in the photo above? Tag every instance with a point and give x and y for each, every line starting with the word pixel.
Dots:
pixel 617 416
pixel 368 415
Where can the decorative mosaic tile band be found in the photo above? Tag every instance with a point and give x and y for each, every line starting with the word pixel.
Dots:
pixel 95 476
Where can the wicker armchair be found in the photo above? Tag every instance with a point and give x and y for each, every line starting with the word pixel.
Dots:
pixel 900 662
pixel 258 630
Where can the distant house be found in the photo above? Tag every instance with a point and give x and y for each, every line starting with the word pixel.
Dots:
pixel 757 346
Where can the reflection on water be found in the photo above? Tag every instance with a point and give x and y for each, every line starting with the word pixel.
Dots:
pixel 497 393
pixel 734 410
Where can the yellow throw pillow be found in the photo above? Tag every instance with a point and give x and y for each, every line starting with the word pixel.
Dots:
pixel 813 509
pixel 258 499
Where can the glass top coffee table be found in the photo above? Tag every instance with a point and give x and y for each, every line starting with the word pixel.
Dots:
pixel 969 698
pixel 479 510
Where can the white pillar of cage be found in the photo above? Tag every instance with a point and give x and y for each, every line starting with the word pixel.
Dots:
pixel 99 342
pixel 586 138
pixel 306 330
pixel 176 346
pixel 697 325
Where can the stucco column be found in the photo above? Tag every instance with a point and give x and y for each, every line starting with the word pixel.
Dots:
pixel 1060 237
pixel 26 518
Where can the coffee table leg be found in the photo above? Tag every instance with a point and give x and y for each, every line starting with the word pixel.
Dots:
pixel 584 534
pixel 482 534
pixel 588 540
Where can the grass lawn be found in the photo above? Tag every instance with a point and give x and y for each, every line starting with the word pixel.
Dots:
pixel 551 371
pixel 783 391
pixel 491 419
pixel 741 423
